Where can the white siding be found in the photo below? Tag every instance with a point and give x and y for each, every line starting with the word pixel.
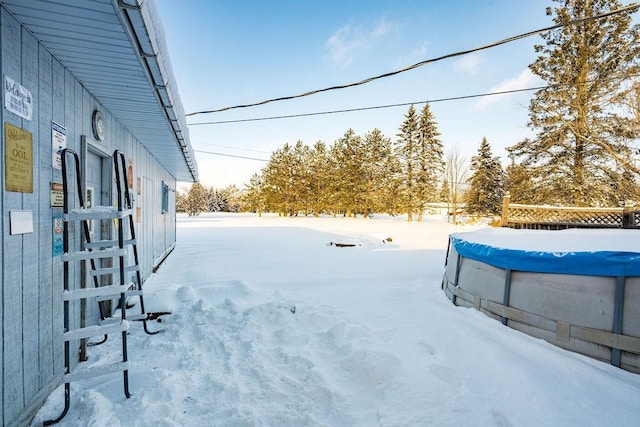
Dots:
pixel 31 308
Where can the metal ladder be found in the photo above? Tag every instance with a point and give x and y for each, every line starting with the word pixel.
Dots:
pixel 96 250
pixel 125 205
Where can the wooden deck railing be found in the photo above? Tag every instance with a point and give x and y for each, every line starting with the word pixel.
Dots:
pixel 558 217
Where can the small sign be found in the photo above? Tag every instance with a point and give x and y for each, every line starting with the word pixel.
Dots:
pixel 18 159
pixel 17 98
pixel 138 214
pixel 130 174
pixel 57 235
pixel 57 195
pixel 20 222
pixel 58 143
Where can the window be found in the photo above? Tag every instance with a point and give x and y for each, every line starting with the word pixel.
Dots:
pixel 165 197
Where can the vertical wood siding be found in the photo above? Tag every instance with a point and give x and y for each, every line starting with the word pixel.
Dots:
pixel 30 350
pixel 13 374
pixel 2 230
pixel 31 309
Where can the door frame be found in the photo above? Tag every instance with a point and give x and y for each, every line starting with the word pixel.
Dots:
pixel 104 199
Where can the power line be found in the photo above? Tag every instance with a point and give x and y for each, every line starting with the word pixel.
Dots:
pixel 231 155
pixel 627 8
pixel 349 110
pixel 238 148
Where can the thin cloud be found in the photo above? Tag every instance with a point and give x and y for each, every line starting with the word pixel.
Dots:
pixel 468 64
pixel 417 55
pixel 348 40
pixel 523 80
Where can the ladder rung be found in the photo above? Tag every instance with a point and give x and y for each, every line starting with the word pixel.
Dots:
pixel 95 330
pixel 81 374
pixel 109 243
pixel 140 316
pixel 134 293
pixel 106 253
pixel 112 270
pixel 100 291
pixel 99 212
pixel 127 289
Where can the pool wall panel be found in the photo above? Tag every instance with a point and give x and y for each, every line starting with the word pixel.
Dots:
pixel 568 310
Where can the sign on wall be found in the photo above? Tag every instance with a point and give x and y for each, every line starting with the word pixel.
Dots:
pixel 20 222
pixel 18 159
pixel 57 195
pixel 17 98
pixel 58 229
pixel 58 143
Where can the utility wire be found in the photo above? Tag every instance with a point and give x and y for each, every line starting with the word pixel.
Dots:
pixel 404 104
pixel 238 148
pixel 628 8
pixel 349 110
pixel 231 155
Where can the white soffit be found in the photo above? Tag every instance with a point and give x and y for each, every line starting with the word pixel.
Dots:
pixel 116 49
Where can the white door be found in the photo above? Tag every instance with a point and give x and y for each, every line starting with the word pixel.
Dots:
pixel 97 177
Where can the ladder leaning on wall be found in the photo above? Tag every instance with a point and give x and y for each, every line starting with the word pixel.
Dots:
pixel 76 221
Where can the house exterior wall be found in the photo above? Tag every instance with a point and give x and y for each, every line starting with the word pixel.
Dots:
pixel 31 309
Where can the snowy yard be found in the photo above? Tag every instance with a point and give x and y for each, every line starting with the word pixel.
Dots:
pixel 272 326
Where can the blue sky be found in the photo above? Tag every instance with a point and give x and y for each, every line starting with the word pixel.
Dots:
pixel 226 53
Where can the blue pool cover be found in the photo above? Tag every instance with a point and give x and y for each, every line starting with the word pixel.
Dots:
pixel 605 263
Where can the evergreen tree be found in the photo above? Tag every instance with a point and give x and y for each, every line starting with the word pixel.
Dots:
pixel 377 151
pixel 301 178
pixel 520 185
pixel 196 200
pixel 181 202
pixel 406 149
pixel 278 179
pixel 254 198
pixel 445 192
pixel 320 178
pixel 430 160
pixel 350 154
pixel 584 137
pixel 231 197
pixel 214 202
pixel 486 183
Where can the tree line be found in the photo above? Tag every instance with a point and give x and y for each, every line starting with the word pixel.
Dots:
pixel 586 123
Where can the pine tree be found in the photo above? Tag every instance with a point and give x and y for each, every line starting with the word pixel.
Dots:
pixel 430 160
pixel 350 157
pixel 486 183
pixel 519 184
pixel 406 149
pixel 196 200
pixel 278 181
pixel 377 153
pixel 253 198
pixel 583 141
pixel 445 192
pixel 181 202
pixel 320 178
pixel 301 188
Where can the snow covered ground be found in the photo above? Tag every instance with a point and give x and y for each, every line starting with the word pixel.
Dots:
pixel 272 326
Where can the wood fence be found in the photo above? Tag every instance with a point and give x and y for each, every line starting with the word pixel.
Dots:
pixel 556 217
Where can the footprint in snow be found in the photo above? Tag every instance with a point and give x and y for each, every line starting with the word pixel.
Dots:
pixel 427 348
pixel 446 374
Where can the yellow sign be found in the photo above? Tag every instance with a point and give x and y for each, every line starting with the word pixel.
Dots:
pixel 18 159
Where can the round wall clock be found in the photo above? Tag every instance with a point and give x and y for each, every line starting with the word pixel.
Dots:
pixel 99 127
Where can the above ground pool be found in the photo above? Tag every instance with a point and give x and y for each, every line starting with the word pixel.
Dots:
pixel 577 289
